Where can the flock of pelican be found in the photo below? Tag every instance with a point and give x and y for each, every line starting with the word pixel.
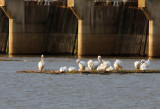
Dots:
pixel 99 65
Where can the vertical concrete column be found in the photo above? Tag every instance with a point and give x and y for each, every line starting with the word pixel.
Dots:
pixel 150 47
pixel 80 52
pixel 141 3
pixel 10 36
pixel 154 39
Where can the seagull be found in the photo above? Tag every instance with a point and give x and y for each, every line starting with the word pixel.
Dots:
pixel 63 69
pixel 41 63
pixel 82 65
pixel 118 64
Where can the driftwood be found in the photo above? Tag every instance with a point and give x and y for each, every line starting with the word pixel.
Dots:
pixel 93 72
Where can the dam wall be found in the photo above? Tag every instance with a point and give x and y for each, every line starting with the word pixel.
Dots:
pixel 40 28
pixel 101 28
pixel 4 32
pixel 153 6
pixel 111 30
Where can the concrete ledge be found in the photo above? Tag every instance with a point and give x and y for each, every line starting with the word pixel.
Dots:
pixel 93 72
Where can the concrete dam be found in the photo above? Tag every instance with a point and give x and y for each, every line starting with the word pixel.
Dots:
pixel 82 27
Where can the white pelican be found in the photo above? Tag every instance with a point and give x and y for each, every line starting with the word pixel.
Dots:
pixel 110 69
pixel 41 63
pixel 118 64
pixel 90 62
pixel 147 63
pixel 143 67
pixel 87 69
pixel 138 64
pixel 103 66
pixel 71 69
pixel 102 61
pixel 63 69
pixel 93 65
pixel 82 65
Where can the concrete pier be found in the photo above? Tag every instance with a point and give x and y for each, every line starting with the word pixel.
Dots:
pixel 102 28
pixel 154 35
pixel 37 29
pixel 111 30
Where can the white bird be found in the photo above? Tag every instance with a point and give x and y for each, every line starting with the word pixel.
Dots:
pixel 107 63
pixel 147 63
pixel 90 62
pixel 137 64
pixel 82 65
pixel 104 62
pixel 87 69
pixel 93 65
pixel 63 69
pixel 103 67
pixel 41 63
pixel 110 68
pixel 118 64
pixel 143 67
pixel 71 69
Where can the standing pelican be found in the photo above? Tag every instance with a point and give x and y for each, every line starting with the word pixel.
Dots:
pixel 41 63
pixel 97 63
pixel 118 64
pixel 102 61
pixel 82 65
pixel 104 64
pixel 147 63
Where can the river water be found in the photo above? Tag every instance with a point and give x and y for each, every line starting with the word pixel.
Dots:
pixel 75 91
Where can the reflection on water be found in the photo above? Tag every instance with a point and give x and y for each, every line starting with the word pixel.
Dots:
pixel 75 91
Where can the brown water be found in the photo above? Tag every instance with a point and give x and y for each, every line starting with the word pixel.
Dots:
pixel 76 91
